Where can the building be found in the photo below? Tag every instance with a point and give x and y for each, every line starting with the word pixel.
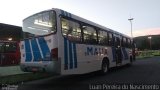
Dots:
pixel 10 36
pixel 10 31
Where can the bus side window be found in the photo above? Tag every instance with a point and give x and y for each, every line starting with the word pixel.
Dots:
pixel 89 34
pixel 110 39
pixel 124 42
pixel 117 42
pixel 71 30
pixel 102 37
pixel 129 43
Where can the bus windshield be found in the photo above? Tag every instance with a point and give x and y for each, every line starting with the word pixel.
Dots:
pixel 39 24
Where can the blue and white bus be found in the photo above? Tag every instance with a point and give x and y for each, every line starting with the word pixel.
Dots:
pixel 59 42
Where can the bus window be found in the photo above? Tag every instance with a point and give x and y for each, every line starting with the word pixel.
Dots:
pixel 124 42
pixel 71 30
pixel 129 43
pixel 117 42
pixel 40 24
pixel 89 35
pixel 110 39
pixel 103 38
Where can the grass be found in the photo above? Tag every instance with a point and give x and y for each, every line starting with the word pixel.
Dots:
pixel 147 54
pixel 15 79
pixel 156 53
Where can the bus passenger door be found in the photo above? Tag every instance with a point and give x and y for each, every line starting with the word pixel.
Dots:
pixel 118 50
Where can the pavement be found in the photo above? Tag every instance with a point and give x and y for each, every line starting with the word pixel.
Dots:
pixel 142 75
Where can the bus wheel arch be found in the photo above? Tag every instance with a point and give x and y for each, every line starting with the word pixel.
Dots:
pixel 105 65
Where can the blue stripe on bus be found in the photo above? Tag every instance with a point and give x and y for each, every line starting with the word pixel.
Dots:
pixel 35 49
pixel 70 56
pixel 44 47
pixel 65 54
pixel 75 55
pixel 114 53
pixel 28 51
pixel 125 53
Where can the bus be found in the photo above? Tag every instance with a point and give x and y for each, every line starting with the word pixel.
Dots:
pixel 9 53
pixel 57 41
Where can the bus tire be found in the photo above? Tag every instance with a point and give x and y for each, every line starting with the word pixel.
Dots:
pixel 105 66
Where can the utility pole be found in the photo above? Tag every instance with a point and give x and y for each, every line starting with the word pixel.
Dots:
pixel 130 19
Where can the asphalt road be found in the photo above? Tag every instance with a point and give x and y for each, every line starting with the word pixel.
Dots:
pixel 142 72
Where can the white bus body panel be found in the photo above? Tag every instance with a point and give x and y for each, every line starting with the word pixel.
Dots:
pixel 84 63
pixel 35 54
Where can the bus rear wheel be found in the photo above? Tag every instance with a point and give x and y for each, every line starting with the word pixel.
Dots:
pixel 105 67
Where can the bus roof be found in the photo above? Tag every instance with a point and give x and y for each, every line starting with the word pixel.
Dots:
pixel 88 21
pixel 67 14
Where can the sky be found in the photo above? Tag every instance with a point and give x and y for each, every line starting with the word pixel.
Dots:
pixel 113 14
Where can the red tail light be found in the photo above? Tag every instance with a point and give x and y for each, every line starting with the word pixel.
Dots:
pixel 54 53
